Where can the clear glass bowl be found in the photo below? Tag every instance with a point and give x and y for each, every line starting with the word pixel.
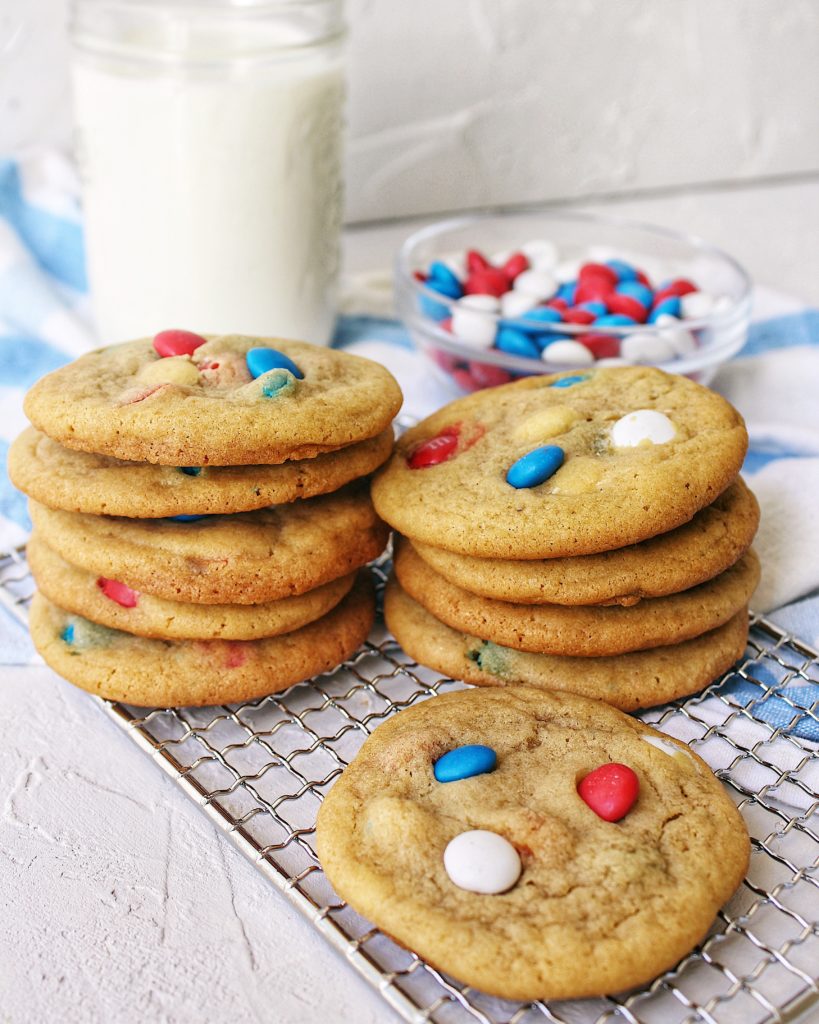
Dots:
pixel 662 253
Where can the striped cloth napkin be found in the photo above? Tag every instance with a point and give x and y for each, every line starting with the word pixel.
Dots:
pixel 45 321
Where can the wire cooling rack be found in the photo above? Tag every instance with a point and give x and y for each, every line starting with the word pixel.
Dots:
pixel 260 769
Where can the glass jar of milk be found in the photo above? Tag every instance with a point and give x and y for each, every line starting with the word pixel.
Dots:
pixel 209 145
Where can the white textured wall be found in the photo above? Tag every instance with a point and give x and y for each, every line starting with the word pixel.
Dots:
pixel 464 103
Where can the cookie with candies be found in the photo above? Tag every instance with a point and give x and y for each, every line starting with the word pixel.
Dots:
pixel 534 845
pixel 183 399
pixel 562 465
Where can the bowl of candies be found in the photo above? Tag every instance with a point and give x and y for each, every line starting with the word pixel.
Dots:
pixel 494 297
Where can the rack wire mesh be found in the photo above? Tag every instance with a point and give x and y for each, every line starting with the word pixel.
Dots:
pixel 260 769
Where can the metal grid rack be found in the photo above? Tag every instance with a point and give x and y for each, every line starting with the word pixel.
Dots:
pixel 260 769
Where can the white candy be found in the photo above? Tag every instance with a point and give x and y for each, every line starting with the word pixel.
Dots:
pixel 642 425
pixel 486 303
pixel 514 304
pixel 646 347
pixel 680 339
pixel 538 283
pixel 542 254
pixel 723 304
pixel 567 271
pixel 567 353
pixel 473 327
pixel 667 746
pixel 481 861
pixel 697 304
pixel 612 361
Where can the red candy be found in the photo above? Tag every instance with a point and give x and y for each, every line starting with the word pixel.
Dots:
pixel 118 592
pixel 601 346
pixel 489 281
pixel 676 289
pixel 626 304
pixel 438 449
pixel 593 288
pixel 486 375
pixel 598 272
pixel 177 343
pixel 610 790
pixel 476 261
pixel 561 305
pixel 515 265
pixel 576 315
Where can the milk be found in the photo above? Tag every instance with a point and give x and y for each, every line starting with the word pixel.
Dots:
pixel 212 191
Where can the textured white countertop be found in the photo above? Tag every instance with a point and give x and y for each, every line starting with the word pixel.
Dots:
pixel 120 902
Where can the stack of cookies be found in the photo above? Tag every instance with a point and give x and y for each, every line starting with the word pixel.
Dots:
pixel 585 532
pixel 201 514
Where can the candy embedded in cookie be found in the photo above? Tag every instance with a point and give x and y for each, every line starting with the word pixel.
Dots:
pixel 536 466
pixel 263 360
pixel 119 592
pixel 464 763
pixel 641 427
pixel 482 861
pixel 451 441
pixel 610 790
pixel 177 343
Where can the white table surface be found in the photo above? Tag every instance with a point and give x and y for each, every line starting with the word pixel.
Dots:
pixel 119 901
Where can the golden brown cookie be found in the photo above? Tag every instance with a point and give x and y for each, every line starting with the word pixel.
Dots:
pixel 582 631
pixel 83 482
pixel 248 558
pixel 111 603
pixel 627 681
pixel 586 485
pixel 697 551
pixel 590 906
pixel 207 408
pixel 168 673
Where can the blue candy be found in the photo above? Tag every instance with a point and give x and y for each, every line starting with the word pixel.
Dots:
pixel 433 310
pixel 596 307
pixel 566 382
pixel 190 470
pixel 262 360
pixel 614 320
pixel 635 290
pixel 623 270
pixel 516 343
pixel 567 292
pixel 535 467
pixel 671 305
pixel 539 315
pixel 186 518
pixel 464 762
pixel 67 634
pixel 442 280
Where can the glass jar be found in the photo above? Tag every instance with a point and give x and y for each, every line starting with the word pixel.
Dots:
pixel 209 145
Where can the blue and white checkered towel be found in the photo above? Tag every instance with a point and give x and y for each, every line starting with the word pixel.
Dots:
pixel 45 321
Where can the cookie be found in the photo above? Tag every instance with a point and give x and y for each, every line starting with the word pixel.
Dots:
pixel 217 403
pixel 83 482
pixel 247 558
pixel 562 465
pixel 169 673
pixel 582 631
pixel 641 679
pixel 111 603
pixel 558 901
pixel 697 551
